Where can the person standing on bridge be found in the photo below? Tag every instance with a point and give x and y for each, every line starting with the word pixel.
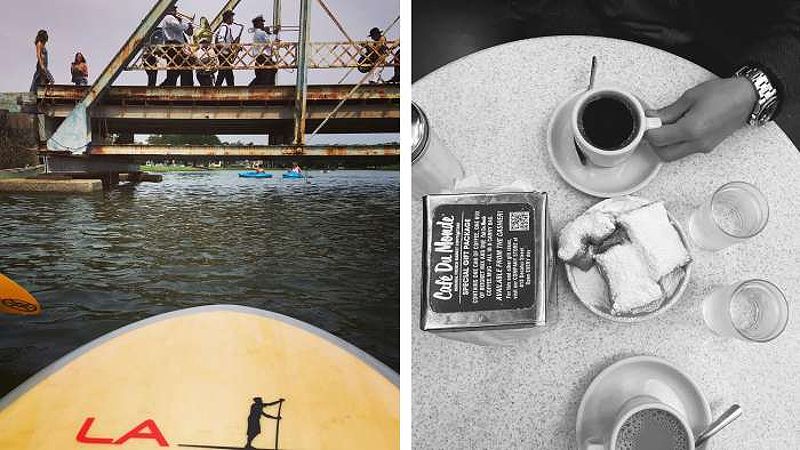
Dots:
pixel 227 39
pixel 262 45
pixel 175 32
pixel 79 70
pixel 377 56
pixel 206 56
pixel 42 75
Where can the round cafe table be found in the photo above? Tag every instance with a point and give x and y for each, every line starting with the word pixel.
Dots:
pixel 492 109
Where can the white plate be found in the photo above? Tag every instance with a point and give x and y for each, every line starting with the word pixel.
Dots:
pixel 590 286
pixel 627 178
pixel 634 376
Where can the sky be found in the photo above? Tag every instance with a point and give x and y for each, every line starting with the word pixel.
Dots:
pixel 98 28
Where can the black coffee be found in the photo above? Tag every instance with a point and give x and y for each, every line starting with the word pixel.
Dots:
pixel 652 429
pixel 608 122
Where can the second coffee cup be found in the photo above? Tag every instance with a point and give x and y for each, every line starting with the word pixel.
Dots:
pixel 645 423
pixel 608 125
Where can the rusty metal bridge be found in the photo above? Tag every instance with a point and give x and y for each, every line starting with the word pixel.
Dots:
pixel 128 110
pixel 76 122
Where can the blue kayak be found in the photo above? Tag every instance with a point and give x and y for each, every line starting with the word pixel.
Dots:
pixel 255 175
pixel 293 175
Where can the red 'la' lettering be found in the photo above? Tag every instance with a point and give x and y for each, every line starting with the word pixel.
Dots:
pixel 82 434
pixel 137 432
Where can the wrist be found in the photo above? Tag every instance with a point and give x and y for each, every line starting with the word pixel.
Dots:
pixel 766 95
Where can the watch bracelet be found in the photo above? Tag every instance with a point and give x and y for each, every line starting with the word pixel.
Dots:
pixel 767 94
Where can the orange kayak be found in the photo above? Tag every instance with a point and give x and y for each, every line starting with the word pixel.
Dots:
pixel 14 299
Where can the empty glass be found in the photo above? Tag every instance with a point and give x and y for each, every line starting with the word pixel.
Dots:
pixel 751 310
pixel 434 169
pixel 736 212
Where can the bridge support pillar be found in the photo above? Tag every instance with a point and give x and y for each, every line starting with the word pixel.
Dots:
pixel 110 180
pixel 301 86
pixel 47 127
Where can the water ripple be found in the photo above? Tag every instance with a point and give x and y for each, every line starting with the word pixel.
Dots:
pixel 325 252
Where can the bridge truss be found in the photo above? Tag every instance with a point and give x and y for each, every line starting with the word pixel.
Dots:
pixel 74 131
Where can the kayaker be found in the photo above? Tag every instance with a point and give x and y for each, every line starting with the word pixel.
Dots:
pixel 296 169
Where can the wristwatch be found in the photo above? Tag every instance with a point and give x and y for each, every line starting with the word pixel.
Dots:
pixel 767 103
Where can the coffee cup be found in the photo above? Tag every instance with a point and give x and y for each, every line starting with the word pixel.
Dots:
pixel 650 423
pixel 608 124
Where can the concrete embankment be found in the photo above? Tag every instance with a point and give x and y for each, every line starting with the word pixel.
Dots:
pixel 19 162
pixel 39 185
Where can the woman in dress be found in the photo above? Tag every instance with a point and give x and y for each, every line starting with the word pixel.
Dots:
pixel 42 75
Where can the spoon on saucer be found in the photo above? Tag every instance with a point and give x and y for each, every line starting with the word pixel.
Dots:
pixel 592 74
pixel 722 421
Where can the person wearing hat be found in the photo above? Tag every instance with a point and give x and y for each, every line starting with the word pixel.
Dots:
pixel 376 34
pixel 175 31
pixel 262 44
pixel 227 39
pixel 377 52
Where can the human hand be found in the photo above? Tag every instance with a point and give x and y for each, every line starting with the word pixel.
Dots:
pixel 702 117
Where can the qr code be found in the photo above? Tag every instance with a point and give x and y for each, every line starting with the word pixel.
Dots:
pixel 519 221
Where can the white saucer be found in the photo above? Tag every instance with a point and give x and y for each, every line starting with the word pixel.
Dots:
pixel 590 286
pixel 634 376
pixel 627 178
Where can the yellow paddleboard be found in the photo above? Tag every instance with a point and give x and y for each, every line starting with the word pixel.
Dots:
pixel 14 299
pixel 212 377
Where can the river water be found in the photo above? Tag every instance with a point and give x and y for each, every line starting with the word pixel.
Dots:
pixel 325 252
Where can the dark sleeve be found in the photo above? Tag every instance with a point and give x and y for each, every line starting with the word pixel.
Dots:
pixel 776 50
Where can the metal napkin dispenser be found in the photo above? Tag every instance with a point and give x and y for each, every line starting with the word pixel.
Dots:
pixel 488 274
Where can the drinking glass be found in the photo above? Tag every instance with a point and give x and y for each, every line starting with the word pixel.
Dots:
pixel 736 212
pixel 434 169
pixel 751 310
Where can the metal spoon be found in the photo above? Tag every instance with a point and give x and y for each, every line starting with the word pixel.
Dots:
pixel 722 421
pixel 593 73
pixel 581 156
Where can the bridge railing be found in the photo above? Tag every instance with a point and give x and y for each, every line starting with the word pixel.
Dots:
pixel 362 55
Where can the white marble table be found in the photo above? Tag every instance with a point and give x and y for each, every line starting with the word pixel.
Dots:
pixel 492 108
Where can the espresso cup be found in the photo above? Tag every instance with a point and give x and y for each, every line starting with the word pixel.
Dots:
pixel 608 124
pixel 615 437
